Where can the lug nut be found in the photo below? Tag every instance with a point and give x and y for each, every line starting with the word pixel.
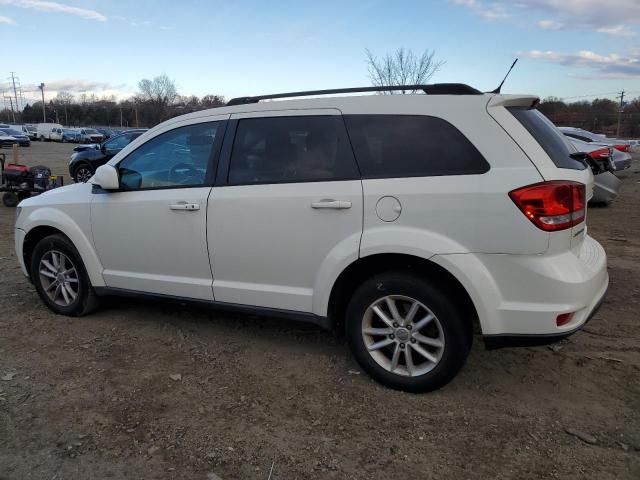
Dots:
pixel 409 327
pixel 413 340
pixel 395 325
pixel 392 336
pixel 402 345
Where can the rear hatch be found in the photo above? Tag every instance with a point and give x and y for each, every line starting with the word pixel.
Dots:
pixel 545 146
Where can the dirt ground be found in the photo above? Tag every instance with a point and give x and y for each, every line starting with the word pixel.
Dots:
pixel 157 390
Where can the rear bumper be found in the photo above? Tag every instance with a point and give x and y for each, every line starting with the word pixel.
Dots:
pixel 493 342
pixel 519 297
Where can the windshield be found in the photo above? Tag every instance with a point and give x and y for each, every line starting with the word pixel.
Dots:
pixel 91 131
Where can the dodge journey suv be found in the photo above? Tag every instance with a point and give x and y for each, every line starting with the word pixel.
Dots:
pixel 406 221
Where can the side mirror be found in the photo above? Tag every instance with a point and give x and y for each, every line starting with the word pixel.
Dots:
pixel 106 177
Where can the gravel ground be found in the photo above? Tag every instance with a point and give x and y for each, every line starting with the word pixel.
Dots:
pixel 157 390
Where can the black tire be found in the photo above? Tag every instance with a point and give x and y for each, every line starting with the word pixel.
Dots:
pixel 10 199
pixel 23 195
pixel 86 299
pixel 79 169
pixel 456 330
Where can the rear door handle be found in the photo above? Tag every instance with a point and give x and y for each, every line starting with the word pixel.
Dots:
pixel 331 203
pixel 185 206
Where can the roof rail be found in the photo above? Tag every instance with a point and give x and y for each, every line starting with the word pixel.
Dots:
pixel 434 89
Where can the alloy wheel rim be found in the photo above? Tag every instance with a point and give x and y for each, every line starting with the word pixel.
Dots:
pixel 83 175
pixel 403 336
pixel 59 278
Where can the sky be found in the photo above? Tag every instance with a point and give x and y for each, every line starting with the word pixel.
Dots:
pixel 573 49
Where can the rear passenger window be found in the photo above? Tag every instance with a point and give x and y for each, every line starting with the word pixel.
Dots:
pixel 291 149
pixel 388 146
pixel 548 137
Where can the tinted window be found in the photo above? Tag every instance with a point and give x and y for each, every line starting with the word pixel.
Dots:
pixel 178 158
pixel 548 136
pixel 291 149
pixel 388 146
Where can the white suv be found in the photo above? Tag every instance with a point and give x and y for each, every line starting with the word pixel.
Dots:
pixel 405 220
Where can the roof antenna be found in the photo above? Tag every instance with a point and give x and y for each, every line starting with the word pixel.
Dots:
pixel 497 90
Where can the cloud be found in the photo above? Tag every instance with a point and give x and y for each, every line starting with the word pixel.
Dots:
pixel 619 18
pixel 550 25
pixel 617 31
pixel 611 66
pixel 492 11
pixel 55 7
pixel 6 20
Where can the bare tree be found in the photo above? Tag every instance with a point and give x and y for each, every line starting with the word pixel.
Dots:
pixel 402 67
pixel 161 92
pixel 65 99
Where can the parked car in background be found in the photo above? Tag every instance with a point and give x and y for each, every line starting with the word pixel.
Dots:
pixel 90 135
pixel 621 160
pixel 32 131
pixel 589 137
pixel 47 132
pixel 84 162
pixel 70 135
pixel 6 140
pixel 605 184
pixel 106 132
pixel 22 129
pixel 22 138
pixel 405 220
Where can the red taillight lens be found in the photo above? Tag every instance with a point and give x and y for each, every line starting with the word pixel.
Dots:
pixel 563 319
pixel 600 153
pixel 622 148
pixel 552 206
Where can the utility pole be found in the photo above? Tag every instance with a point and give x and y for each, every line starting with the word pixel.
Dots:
pixel 44 112
pixel 15 92
pixel 13 114
pixel 621 97
pixel 120 115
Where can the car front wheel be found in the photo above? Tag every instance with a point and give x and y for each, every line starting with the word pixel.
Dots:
pixel 406 332
pixel 83 174
pixel 60 278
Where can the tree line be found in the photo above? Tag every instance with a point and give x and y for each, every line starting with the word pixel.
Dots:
pixel 157 100
pixel 598 116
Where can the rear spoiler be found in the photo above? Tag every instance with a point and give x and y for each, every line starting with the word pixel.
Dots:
pixel 527 101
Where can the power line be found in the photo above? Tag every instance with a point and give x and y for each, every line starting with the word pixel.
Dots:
pixel 599 94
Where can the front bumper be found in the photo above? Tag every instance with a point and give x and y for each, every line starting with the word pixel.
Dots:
pixel 19 244
pixel 519 296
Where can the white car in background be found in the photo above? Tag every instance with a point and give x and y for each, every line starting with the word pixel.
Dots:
pixel 49 132
pixel 404 220
pixel 586 136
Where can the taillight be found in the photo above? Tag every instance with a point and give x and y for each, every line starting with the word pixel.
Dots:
pixel 600 153
pixel 622 147
pixel 553 205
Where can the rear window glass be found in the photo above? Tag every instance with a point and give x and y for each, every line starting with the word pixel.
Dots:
pixel 549 138
pixel 388 146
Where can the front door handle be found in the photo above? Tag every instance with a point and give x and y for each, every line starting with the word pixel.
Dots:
pixel 331 203
pixel 185 206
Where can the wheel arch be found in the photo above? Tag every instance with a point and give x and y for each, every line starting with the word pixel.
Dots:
pixel 90 260
pixel 363 268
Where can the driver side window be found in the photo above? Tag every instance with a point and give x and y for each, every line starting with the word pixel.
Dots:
pixel 177 158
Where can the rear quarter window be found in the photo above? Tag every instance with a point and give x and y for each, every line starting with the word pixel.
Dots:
pixel 548 137
pixel 391 146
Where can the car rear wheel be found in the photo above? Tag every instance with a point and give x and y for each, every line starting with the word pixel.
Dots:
pixel 406 332
pixel 82 174
pixel 60 278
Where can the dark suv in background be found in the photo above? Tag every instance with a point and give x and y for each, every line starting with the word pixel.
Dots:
pixel 83 164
